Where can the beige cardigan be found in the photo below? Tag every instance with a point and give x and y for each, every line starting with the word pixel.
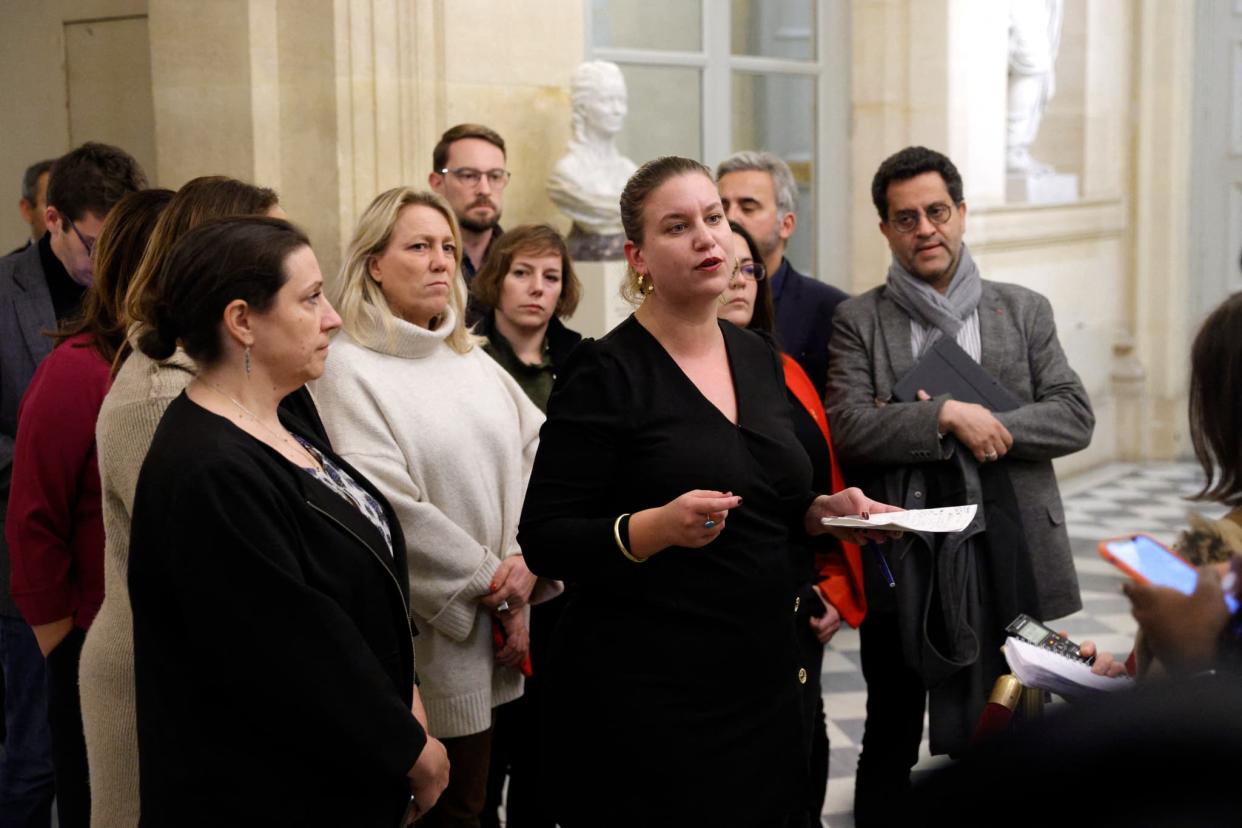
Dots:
pixel 127 421
pixel 449 439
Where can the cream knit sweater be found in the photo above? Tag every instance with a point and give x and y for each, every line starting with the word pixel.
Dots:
pixel 127 421
pixel 449 438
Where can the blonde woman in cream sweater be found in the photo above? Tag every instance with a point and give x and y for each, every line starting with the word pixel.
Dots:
pixel 413 403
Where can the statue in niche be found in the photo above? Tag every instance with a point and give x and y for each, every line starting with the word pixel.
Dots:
pixel 586 183
pixel 1034 37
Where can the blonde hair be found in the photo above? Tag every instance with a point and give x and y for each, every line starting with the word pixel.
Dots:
pixel 355 292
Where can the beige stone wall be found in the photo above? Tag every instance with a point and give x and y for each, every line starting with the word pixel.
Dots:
pixel 508 67
pixel 34 94
pixel 333 101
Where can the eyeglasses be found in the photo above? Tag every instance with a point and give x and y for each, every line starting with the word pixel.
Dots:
pixel 751 270
pixel 906 220
pixel 471 177
pixel 89 244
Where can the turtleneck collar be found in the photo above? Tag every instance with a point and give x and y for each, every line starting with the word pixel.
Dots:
pixel 396 337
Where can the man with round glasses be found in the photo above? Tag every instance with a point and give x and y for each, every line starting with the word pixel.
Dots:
pixel 937 607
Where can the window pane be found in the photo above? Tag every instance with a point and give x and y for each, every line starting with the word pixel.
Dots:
pixel 664 112
pixel 774 28
pixel 777 113
pixel 668 25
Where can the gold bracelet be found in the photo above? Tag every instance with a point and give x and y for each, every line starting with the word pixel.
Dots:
pixel 616 535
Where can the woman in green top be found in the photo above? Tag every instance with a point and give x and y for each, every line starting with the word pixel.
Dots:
pixel 528 283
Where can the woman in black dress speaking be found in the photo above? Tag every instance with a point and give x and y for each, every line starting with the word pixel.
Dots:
pixel 666 489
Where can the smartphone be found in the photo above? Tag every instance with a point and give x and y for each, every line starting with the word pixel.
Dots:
pixel 1148 561
pixel 1033 632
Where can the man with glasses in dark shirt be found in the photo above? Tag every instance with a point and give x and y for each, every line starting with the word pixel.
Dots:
pixel 468 170
pixel 40 287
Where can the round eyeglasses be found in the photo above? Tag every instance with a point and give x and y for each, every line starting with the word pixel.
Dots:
pixel 906 220
pixel 471 177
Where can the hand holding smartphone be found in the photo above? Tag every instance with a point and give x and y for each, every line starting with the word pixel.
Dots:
pixel 1148 561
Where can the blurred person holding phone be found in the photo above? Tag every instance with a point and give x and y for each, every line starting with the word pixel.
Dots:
pixel 1190 633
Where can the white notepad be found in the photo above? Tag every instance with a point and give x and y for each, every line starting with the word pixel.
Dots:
pixel 1046 670
pixel 948 519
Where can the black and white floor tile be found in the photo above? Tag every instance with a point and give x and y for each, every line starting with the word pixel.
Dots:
pixel 1115 500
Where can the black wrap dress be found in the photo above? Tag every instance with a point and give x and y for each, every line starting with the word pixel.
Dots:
pixel 673 684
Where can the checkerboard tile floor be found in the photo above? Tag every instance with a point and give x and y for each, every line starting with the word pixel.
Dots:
pixel 1115 500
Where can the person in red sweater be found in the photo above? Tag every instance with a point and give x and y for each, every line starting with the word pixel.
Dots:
pixel 54 524
pixel 833 590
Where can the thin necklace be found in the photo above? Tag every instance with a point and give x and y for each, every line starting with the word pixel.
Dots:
pixel 298 447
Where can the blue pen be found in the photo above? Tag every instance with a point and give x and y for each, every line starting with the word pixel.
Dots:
pixel 888 573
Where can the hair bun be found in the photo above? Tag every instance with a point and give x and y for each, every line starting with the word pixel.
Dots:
pixel 159 339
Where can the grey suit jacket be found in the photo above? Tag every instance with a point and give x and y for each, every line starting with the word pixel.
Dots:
pixel 26 312
pixel 871 351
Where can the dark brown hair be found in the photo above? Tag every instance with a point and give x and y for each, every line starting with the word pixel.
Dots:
pixel 93 177
pixel 439 156
pixel 1215 397
pixel 762 318
pixel 197 201
pixel 117 253
pixel 212 265
pixel 909 163
pixel 531 239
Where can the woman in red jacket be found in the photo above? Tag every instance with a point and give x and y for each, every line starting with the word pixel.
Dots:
pixel 54 525
pixel 833 590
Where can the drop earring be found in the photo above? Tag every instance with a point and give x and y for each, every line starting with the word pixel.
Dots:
pixel 246 361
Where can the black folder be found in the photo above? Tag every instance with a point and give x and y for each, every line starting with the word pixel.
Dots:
pixel 947 369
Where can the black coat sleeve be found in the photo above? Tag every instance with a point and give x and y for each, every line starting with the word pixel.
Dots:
pixel 224 614
pixel 566 530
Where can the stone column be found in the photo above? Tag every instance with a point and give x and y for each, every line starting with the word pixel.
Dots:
pixel 1160 284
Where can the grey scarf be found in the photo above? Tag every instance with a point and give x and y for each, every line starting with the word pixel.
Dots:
pixel 943 314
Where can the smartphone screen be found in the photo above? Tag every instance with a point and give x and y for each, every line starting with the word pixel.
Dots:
pixel 1160 566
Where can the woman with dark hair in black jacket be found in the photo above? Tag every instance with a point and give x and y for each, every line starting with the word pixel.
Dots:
pixel 273 653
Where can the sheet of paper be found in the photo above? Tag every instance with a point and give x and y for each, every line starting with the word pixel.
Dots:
pixel 948 519
pixel 1046 670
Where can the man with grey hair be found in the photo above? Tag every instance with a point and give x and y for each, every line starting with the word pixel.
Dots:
pixel 758 191
pixel 33 200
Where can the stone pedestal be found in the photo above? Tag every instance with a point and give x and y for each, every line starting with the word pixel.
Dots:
pixel 1041 188
pixel 601 306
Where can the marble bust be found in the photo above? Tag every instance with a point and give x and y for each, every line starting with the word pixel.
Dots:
pixel 1034 38
pixel 587 181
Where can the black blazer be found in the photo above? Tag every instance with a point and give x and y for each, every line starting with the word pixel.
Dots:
pixel 272 642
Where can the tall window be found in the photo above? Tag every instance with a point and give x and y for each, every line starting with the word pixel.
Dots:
pixel 707 78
